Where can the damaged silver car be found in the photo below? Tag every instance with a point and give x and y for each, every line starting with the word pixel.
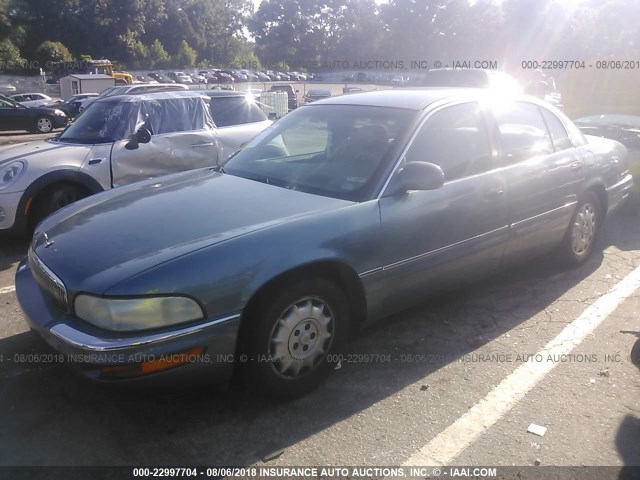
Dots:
pixel 120 140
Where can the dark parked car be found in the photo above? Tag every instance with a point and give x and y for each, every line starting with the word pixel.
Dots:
pixel 71 106
pixel 292 93
pixel 14 116
pixel 315 95
pixel 622 128
pixel 343 212
pixel 161 78
pixel 229 107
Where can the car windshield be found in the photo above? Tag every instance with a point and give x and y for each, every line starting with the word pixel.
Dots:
pixel 8 103
pixel 104 122
pixel 331 150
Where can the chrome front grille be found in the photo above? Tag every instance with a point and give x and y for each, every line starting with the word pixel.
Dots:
pixel 48 281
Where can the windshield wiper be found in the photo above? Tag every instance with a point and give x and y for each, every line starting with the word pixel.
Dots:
pixel 274 181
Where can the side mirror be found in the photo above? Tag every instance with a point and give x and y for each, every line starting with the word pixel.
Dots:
pixel 141 136
pixel 420 176
pixel 297 91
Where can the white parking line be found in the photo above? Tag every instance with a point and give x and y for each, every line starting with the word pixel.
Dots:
pixel 452 441
pixel 10 289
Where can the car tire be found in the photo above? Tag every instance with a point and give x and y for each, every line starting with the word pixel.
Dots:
pixel 292 335
pixel 43 124
pixel 582 234
pixel 54 198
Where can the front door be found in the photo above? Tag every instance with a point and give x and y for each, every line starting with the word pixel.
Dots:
pixel 181 139
pixel 165 153
pixel 433 238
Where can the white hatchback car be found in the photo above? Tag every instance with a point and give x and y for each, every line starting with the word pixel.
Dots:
pixel 118 141
pixel 32 99
pixel 136 89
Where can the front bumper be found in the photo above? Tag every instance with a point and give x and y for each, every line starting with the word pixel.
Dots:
pixel 9 203
pixel 617 194
pixel 59 121
pixel 91 350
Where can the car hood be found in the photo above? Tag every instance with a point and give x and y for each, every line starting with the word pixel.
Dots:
pixel 102 240
pixel 42 151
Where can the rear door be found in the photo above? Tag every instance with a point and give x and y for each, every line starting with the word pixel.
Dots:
pixel 433 238
pixel 542 171
pixel 182 139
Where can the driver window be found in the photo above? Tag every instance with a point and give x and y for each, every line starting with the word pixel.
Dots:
pixel 456 140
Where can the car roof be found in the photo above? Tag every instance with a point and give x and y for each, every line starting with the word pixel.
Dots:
pixel 409 99
pixel 152 96
pixel 224 93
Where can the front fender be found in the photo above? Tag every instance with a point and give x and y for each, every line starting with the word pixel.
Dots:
pixel 225 276
pixel 45 181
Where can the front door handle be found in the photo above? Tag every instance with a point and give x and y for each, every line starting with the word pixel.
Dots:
pixel 494 192
pixel 575 166
pixel 202 145
pixel 96 161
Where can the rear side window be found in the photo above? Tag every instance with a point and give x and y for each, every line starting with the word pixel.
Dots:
pixel 174 115
pixel 558 133
pixel 456 140
pixel 523 132
pixel 227 111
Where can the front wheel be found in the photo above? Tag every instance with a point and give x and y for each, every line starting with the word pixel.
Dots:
pixel 55 198
pixel 291 335
pixel 44 125
pixel 583 230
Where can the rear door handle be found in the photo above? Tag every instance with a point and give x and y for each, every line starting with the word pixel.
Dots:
pixel 202 145
pixel 575 166
pixel 494 192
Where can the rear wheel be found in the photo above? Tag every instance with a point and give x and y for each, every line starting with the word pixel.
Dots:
pixel 583 230
pixel 54 198
pixel 291 335
pixel 43 125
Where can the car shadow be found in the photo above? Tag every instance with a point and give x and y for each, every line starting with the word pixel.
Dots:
pixel 55 418
pixel 12 250
pixel 629 448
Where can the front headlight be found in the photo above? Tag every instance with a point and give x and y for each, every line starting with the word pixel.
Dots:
pixel 10 173
pixel 59 113
pixel 136 314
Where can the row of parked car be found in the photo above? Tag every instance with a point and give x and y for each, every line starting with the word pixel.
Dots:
pixel 224 76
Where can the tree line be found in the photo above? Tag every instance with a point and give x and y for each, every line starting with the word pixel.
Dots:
pixel 314 34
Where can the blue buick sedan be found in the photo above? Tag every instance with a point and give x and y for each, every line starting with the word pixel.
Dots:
pixel 343 212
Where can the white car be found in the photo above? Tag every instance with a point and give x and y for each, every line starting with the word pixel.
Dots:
pixel 32 99
pixel 180 77
pixel 198 78
pixel 118 141
pixel 136 89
